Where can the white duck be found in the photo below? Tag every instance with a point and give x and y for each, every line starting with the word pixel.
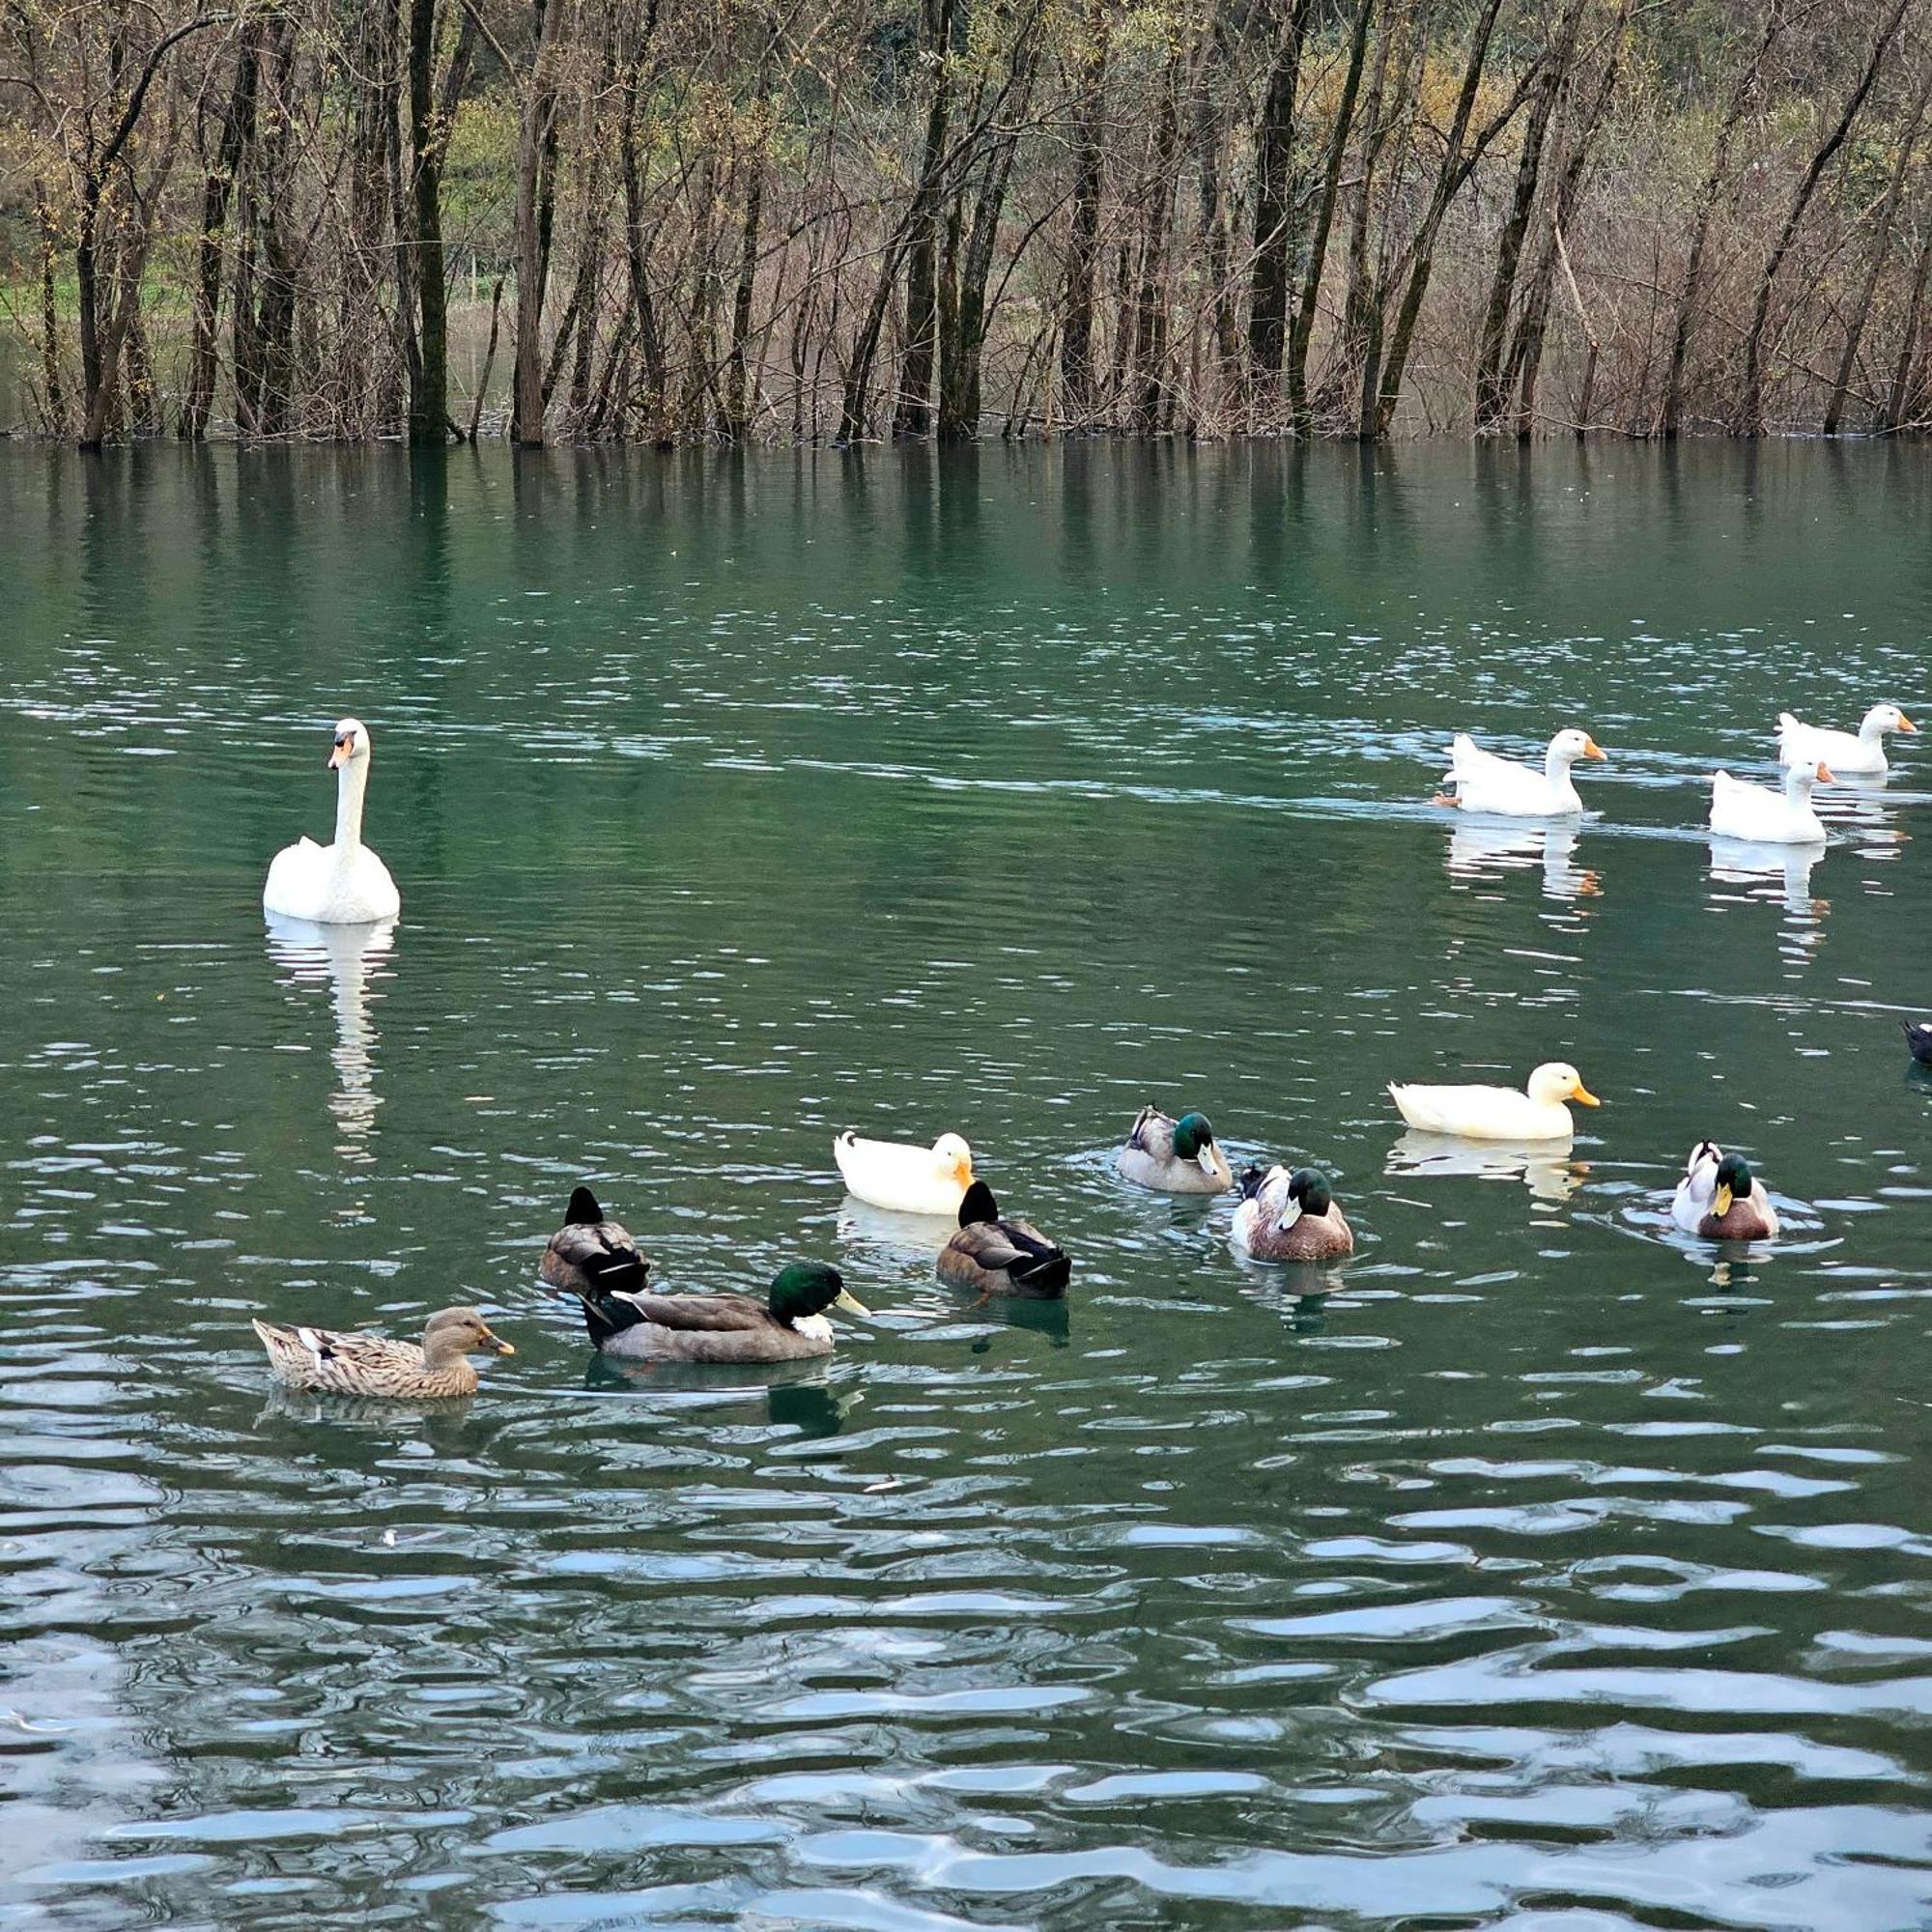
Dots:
pixel 1740 811
pixel 1485 782
pixel 1498 1113
pixel 911 1179
pixel 1857 753
pixel 343 884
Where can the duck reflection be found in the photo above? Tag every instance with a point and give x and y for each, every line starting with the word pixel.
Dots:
pixel 1482 849
pixel 1544 1167
pixel 806 1402
pixel 349 960
pixel 900 1237
pixel 1746 863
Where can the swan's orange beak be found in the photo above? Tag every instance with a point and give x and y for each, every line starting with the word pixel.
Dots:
pixel 1905 723
pixel 1825 777
pixel 962 1170
pixel 1583 1097
pixel 1593 750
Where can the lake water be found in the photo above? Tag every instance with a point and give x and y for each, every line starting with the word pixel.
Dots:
pixel 1553 1570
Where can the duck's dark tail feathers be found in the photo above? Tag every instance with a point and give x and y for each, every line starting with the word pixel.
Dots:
pixel 583 1211
pixel 1043 1274
pixel 606 1315
pixel 1918 1036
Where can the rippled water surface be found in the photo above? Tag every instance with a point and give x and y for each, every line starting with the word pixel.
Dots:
pixel 1551 1567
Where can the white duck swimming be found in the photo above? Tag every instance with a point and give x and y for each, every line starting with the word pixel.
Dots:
pixel 1485 782
pixel 343 884
pixel 1740 811
pixel 912 1179
pixel 1858 753
pixel 1498 1113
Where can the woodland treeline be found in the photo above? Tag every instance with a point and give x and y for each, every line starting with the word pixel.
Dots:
pixel 674 220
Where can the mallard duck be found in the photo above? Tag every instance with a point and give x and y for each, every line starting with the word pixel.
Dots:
pixel 1719 1200
pixel 912 1179
pixel 343 884
pixel 1858 753
pixel 588 1251
pixel 996 1257
pixel 1176 1156
pixel 788 1326
pixel 1698 1188
pixel 1918 1036
pixel 1498 1113
pixel 329 1363
pixel 1290 1217
pixel 1485 782
pixel 1740 811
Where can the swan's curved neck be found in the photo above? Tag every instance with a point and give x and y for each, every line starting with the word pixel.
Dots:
pixel 1556 763
pixel 1872 731
pixel 1798 782
pixel 352 781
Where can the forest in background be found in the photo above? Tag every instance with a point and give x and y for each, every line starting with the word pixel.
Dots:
pixel 793 220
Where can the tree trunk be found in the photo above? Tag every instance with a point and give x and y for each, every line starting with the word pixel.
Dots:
pixel 1491 401
pixel 1274 197
pixel 54 395
pixel 535 134
pixel 1899 399
pixel 1083 246
pixel 1302 332
pixel 1750 412
pixel 913 413
pixel 430 122
pixel 238 130
pixel 1881 237
pixel 1455 170
pixel 650 342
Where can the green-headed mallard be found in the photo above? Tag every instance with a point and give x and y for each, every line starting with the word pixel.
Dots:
pixel 588 1251
pixel 996 1257
pixel 1719 1200
pixel 1176 1156
pixel 329 1363
pixel 788 1326
pixel 1290 1217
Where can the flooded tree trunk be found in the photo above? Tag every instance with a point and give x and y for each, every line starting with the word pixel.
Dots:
pixel 536 144
pixel 1274 199
pixel 1750 411
pixel 1492 390
pixel 238 130
pixel 1083 248
pixel 940 20
pixel 1880 246
pixel 1301 333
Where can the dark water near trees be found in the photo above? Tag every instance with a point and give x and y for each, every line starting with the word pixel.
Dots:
pixel 1555 1571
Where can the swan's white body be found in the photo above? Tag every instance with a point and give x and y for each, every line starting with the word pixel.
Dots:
pixel 1857 753
pixel 1698 1188
pixel 1766 817
pixel 343 884
pixel 1485 782
pixel 911 1179
pixel 1497 1112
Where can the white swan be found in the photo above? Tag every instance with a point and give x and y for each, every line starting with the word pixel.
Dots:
pixel 912 1179
pixel 343 884
pixel 1498 1113
pixel 1858 753
pixel 1740 811
pixel 1485 782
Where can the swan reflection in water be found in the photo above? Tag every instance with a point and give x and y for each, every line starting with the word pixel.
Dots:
pixel 1486 848
pixel 348 960
pixel 1545 1167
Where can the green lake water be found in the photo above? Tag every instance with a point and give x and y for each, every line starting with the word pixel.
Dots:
pixel 1553 1570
